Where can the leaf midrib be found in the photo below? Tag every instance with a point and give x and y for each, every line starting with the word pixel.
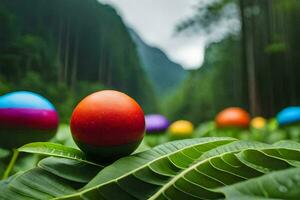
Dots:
pixel 195 165
pixel 141 167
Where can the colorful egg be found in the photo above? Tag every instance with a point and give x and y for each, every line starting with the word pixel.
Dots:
pixel 107 125
pixel 26 117
pixel 258 122
pixel 181 128
pixel 289 115
pixel 156 123
pixel 233 118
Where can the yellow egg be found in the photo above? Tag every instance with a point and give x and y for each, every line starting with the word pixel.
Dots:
pixel 181 128
pixel 258 122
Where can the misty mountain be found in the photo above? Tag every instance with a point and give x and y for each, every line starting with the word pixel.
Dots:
pixel 164 74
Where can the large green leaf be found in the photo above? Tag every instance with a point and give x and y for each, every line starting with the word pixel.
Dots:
pixel 233 147
pixel 57 150
pixel 52 178
pixel 34 184
pixel 283 184
pixel 161 156
pixel 206 168
pixel 72 170
pixel 148 171
pixel 287 144
pixel 193 172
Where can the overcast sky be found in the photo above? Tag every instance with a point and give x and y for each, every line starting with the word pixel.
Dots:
pixel 155 21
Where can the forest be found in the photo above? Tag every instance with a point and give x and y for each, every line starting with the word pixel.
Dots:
pixel 64 55
pixel 67 57
pixel 255 68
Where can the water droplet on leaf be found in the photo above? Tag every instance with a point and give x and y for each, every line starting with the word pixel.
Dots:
pixel 282 189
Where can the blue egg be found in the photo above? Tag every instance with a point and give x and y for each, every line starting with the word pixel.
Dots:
pixel 289 115
pixel 25 99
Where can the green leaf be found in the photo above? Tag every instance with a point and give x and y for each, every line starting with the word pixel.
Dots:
pixel 195 171
pixel 149 171
pixel 142 147
pixel 161 157
pixel 34 184
pixel 72 170
pixel 233 147
pixel 202 168
pixel 56 150
pixel 282 184
pixel 262 162
pixel 53 178
pixel 64 136
pixel 287 144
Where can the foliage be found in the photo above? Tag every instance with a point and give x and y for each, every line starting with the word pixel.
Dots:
pixel 212 87
pixel 203 168
pixel 265 59
pixel 268 134
pixel 53 149
pixel 212 15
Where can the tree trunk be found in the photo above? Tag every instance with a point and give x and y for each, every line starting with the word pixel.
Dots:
pixel 58 54
pixel 67 51
pixel 75 61
pixel 248 34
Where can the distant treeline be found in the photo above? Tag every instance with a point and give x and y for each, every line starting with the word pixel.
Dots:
pixel 66 49
pixel 257 68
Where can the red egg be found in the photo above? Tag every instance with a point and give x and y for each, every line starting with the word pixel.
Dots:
pixel 108 125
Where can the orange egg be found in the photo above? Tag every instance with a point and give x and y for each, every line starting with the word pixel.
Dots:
pixel 108 124
pixel 233 117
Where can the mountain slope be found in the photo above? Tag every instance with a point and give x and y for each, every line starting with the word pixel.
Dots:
pixel 164 74
pixel 80 46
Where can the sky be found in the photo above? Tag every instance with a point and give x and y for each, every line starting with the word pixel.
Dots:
pixel 155 22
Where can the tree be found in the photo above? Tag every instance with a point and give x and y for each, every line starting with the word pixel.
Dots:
pixel 269 46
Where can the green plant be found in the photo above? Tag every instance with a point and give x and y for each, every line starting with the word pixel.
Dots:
pixel 203 168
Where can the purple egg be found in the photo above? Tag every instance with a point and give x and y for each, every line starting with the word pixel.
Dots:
pixel 156 123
